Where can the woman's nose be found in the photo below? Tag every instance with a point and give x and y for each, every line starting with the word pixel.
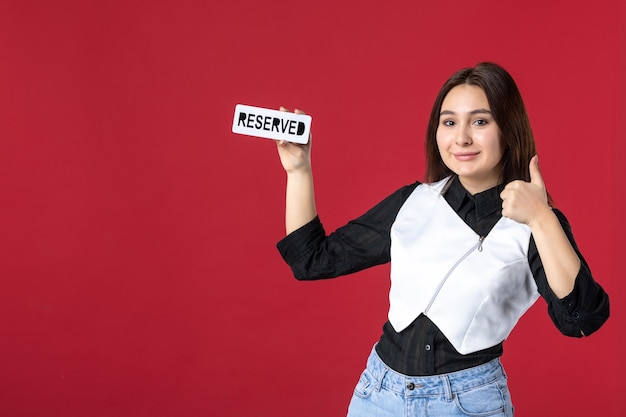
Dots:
pixel 463 137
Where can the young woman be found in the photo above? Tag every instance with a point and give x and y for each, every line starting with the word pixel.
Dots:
pixel 471 249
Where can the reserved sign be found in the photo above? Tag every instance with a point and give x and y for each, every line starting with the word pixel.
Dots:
pixel 271 124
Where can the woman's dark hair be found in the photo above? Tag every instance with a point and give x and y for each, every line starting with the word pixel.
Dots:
pixel 509 112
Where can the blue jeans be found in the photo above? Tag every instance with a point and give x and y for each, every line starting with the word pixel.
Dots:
pixel 478 392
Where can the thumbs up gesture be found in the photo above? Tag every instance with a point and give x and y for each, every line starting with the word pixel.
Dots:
pixel 524 201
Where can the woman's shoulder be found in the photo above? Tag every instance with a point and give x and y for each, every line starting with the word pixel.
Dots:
pixel 406 190
pixel 392 202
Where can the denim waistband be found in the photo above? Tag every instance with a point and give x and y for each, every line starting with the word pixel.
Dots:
pixel 443 384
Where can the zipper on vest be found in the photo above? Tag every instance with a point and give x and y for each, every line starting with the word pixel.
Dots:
pixel 478 246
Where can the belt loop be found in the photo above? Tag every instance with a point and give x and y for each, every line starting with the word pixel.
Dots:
pixel 501 367
pixel 379 383
pixel 446 387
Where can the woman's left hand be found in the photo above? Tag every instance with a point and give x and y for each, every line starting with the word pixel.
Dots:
pixel 524 201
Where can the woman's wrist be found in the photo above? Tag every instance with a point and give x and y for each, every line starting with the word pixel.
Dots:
pixel 544 219
pixel 300 174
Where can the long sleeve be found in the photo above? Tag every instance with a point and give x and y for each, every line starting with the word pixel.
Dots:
pixel 362 243
pixel 586 308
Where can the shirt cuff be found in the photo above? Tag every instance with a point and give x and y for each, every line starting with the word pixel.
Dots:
pixel 585 309
pixel 297 243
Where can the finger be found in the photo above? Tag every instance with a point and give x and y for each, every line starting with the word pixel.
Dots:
pixel 535 173
pixel 504 194
pixel 283 108
pixel 509 188
pixel 508 196
pixel 298 111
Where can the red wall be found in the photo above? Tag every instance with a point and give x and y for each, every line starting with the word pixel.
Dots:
pixel 138 270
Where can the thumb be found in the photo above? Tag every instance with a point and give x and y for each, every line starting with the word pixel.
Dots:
pixel 535 173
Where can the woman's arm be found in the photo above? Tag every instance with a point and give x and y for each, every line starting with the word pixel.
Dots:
pixel 577 305
pixel 300 196
pixel 586 308
pixel 362 243
pixel 526 202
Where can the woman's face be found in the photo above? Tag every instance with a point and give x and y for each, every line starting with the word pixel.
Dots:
pixel 468 138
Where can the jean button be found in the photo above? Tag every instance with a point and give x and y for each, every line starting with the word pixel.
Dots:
pixel 427 347
pixel 411 386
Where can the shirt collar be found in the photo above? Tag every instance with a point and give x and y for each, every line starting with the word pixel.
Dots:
pixel 486 202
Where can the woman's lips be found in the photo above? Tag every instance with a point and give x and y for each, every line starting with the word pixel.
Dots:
pixel 465 156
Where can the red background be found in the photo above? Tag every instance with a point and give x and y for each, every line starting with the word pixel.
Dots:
pixel 139 273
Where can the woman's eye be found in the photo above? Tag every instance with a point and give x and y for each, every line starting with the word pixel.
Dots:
pixel 448 123
pixel 480 122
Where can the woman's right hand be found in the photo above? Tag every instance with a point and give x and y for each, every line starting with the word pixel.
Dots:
pixel 295 157
pixel 299 197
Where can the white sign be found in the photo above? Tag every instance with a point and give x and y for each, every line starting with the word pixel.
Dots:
pixel 271 124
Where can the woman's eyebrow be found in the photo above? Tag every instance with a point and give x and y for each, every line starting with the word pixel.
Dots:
pixel 480 111
pixel 477 111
